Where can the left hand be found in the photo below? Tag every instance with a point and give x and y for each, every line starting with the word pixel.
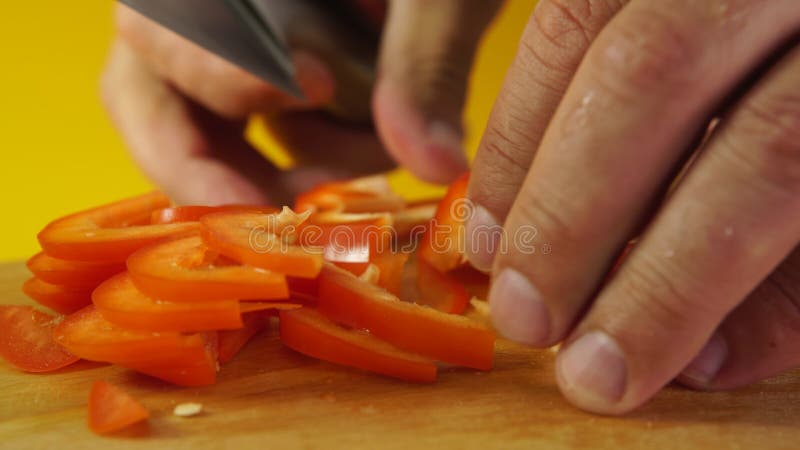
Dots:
pixel 609 96
pixel 182 110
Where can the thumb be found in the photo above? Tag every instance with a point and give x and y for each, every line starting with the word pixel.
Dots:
pixel 424 66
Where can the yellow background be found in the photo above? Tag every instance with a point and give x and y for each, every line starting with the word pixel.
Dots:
pixel 60 152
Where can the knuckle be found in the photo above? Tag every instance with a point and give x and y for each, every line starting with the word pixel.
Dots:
pixel 241 101
pixel 665 295
pixel 497 199
pixel 785 300
pixel 502 163
pixel 769 128
pixel 558 34
pixel 650 50
pixel 545 65
pixel 729 14
pixel 549 215
pixel 438 75
pixel 509 144
pixel 777 319
pixel 236 94
pixel 562 23
pixel 127 23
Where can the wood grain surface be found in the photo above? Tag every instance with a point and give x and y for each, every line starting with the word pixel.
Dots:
pixel 273 398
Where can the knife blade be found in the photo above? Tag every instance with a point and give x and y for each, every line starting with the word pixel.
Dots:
pixel 259 36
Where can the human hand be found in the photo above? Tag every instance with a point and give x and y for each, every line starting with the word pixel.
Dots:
pixel 182 110
pixel 600 110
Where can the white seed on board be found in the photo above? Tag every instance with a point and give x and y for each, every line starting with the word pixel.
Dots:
pixel 188 409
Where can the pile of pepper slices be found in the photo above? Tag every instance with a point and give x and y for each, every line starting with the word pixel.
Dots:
pixel 172 292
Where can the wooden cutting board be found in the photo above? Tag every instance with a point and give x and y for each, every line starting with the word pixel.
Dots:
pixel 273 398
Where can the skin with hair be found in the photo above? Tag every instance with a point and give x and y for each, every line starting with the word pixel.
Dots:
pixel 601 108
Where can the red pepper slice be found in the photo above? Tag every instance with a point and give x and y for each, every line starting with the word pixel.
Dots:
pixel 303 290
pixel 184 359
pixel 184 270
pixel 61 299
pixel 475 282
pixel 180 214
pixel 411 221
pixel 415 328
pixel 390 266
pixel 77 274
pixel 105 233
pixel 362 195
pixel 311 333
pixel 347 237
pixel 443 243
pixel 26 340
pixel 440 291
pixel 262 240
pixel 112 409
pixel 121 303
pixel 274 307
pixel 231 342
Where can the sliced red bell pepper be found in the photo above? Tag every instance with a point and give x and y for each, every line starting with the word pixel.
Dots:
pixel 475 282
pixel 371 274
pixel 199 374
pixel 26 340
pixel 112 409
pixel 309 332
pixel 303 290
pixel 105 234
pixel 262 240
pixel 440 291
pixel 390 267
pixel 231 342
pixel 415 328
pixel 443 243
pixel 249 307
pixel 121 303
pixel 411 221
pixel 61 299
pixel 347 237
pixel 184 270
pixel 184 359
pixel 180 214
pixel 78 274
pixel 367 194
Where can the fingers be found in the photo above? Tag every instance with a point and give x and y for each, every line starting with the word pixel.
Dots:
pixel 426 57
pixel 731 222
pixel 760 338
pixel 641 96
pixel 169 144
pixel 212 81
pixel 358 152
pixel 552 46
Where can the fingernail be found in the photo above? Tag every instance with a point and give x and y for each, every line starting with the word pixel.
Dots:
pixel 517 309
pixel 592 369
pixel 443 135
pixel 314 78
pixel 707 363
pixel 483 237
pixel 445 143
